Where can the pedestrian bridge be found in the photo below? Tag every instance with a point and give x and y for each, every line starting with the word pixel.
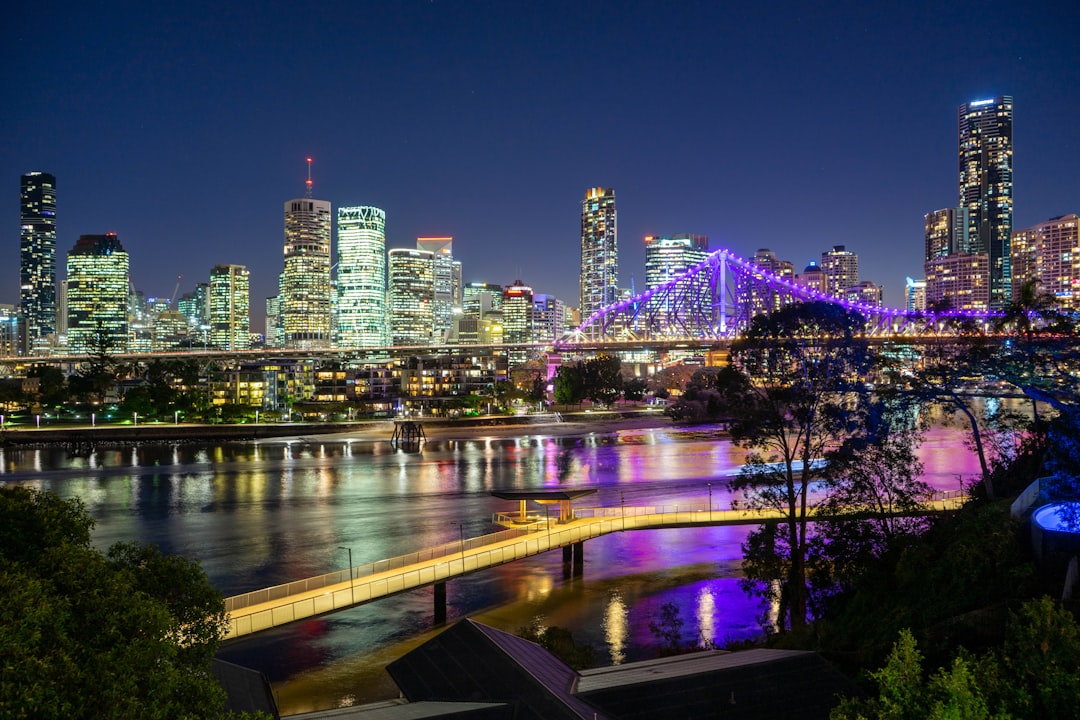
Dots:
pixel 528 535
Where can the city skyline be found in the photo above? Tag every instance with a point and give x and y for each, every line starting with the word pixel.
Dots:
pixel 760 129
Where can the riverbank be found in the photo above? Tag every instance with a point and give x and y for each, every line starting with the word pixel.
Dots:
pixel 498 425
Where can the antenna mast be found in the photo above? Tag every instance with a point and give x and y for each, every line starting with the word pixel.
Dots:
pixel 308 178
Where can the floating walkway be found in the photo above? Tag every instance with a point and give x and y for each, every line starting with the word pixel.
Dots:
pixel 283 604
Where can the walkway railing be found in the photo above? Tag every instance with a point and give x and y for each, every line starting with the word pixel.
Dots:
pixel 282 604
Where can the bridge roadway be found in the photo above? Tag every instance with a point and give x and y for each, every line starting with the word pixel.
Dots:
pixel 272 607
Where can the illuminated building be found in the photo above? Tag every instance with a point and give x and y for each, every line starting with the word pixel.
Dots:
pixel 599 251
pixel 37 261
pixel 481 314
pixel 442 253
pixel 841 269
pixel 668 257
pixel 813 277
pixel 305 283
pixel 412 296
pixel 763 297
pixel 97 281
pixel 549 318
pixel 518 312
pixel 361 277
pixel 1049 254
pixel 958 282
pixel 916 295
pixel 986 187
pixel 864 292
pixel 9 331
pixel 946 233
pixel 230 323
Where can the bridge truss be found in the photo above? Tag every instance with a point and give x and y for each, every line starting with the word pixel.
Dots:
pixel 718 298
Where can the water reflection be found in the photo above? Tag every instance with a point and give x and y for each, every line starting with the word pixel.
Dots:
pixel 264 513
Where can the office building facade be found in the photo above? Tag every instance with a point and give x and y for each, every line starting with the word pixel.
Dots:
pixel 98 276
pixel 599 251
pixel 305 283
pixel 411 283
pixel 37 262
pixel 361 277
pixel 442 254
pixel 666 258
pixel 230 307
pixel 986 187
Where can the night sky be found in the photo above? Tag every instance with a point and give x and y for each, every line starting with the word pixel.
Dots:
pixel 184 126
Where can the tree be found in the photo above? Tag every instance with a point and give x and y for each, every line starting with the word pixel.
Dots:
pixel 569 385
pixel 52 385
pixel 873 493
pixel 129 634
pixel 801 393
pixel 603 379
pixel 634 389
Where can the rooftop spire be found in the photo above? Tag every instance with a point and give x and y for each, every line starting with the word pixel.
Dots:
pixel 308 178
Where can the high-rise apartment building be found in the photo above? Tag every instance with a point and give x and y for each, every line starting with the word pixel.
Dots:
pixel 412 296
pixel 305 283
pixel 958 282
pixel 97 281
pixel 442 253
pixel 1049 255
pixel 549 318
pixel 915 294
pixel 841 269
pixel 763 297
pixel 37 261
pixel 361 277
pixel 518 311
pixel 9 330
pixel 813 278
pixel 230 301
pixel 599 251
pixel 986 187
pixel 946 233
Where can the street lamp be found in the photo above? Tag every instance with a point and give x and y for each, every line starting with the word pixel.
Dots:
pixel 710 501
pixel 352 584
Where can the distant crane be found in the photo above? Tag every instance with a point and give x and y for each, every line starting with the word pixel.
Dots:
pixel 172 300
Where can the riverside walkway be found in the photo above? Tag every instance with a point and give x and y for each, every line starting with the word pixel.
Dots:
pixel 361 584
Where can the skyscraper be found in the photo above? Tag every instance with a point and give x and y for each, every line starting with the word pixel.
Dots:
pixel 599 251
pixel 37 261
pixel 841 269
pixel 305 283
pixel 361 277
pixel 230 300
pixel 442 253
pixel 412 296
pixel 986 187
pixel 668 257
pixel 97 281
pixel 946 233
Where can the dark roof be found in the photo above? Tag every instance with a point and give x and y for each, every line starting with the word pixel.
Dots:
pixel 750 684
pixel 542 494
pixel 476 663
pixel 402 710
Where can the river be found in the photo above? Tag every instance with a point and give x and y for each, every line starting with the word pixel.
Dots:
pixel 261 513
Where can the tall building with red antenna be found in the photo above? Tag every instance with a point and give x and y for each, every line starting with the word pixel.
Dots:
pixel 305 292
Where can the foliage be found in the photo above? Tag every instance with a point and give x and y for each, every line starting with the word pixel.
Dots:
pixel 52 385
pixel 1032 675
pixel 634 389
pixel 799 394
pixel 872 480
pixel 597 379
pixel 668 628
pixel 560 643
pixel 125 635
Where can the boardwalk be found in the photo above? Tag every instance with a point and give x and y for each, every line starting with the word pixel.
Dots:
pixel 272 607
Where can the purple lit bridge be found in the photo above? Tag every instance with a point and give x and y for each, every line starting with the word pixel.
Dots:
pixel 717 298
pixel 527 534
